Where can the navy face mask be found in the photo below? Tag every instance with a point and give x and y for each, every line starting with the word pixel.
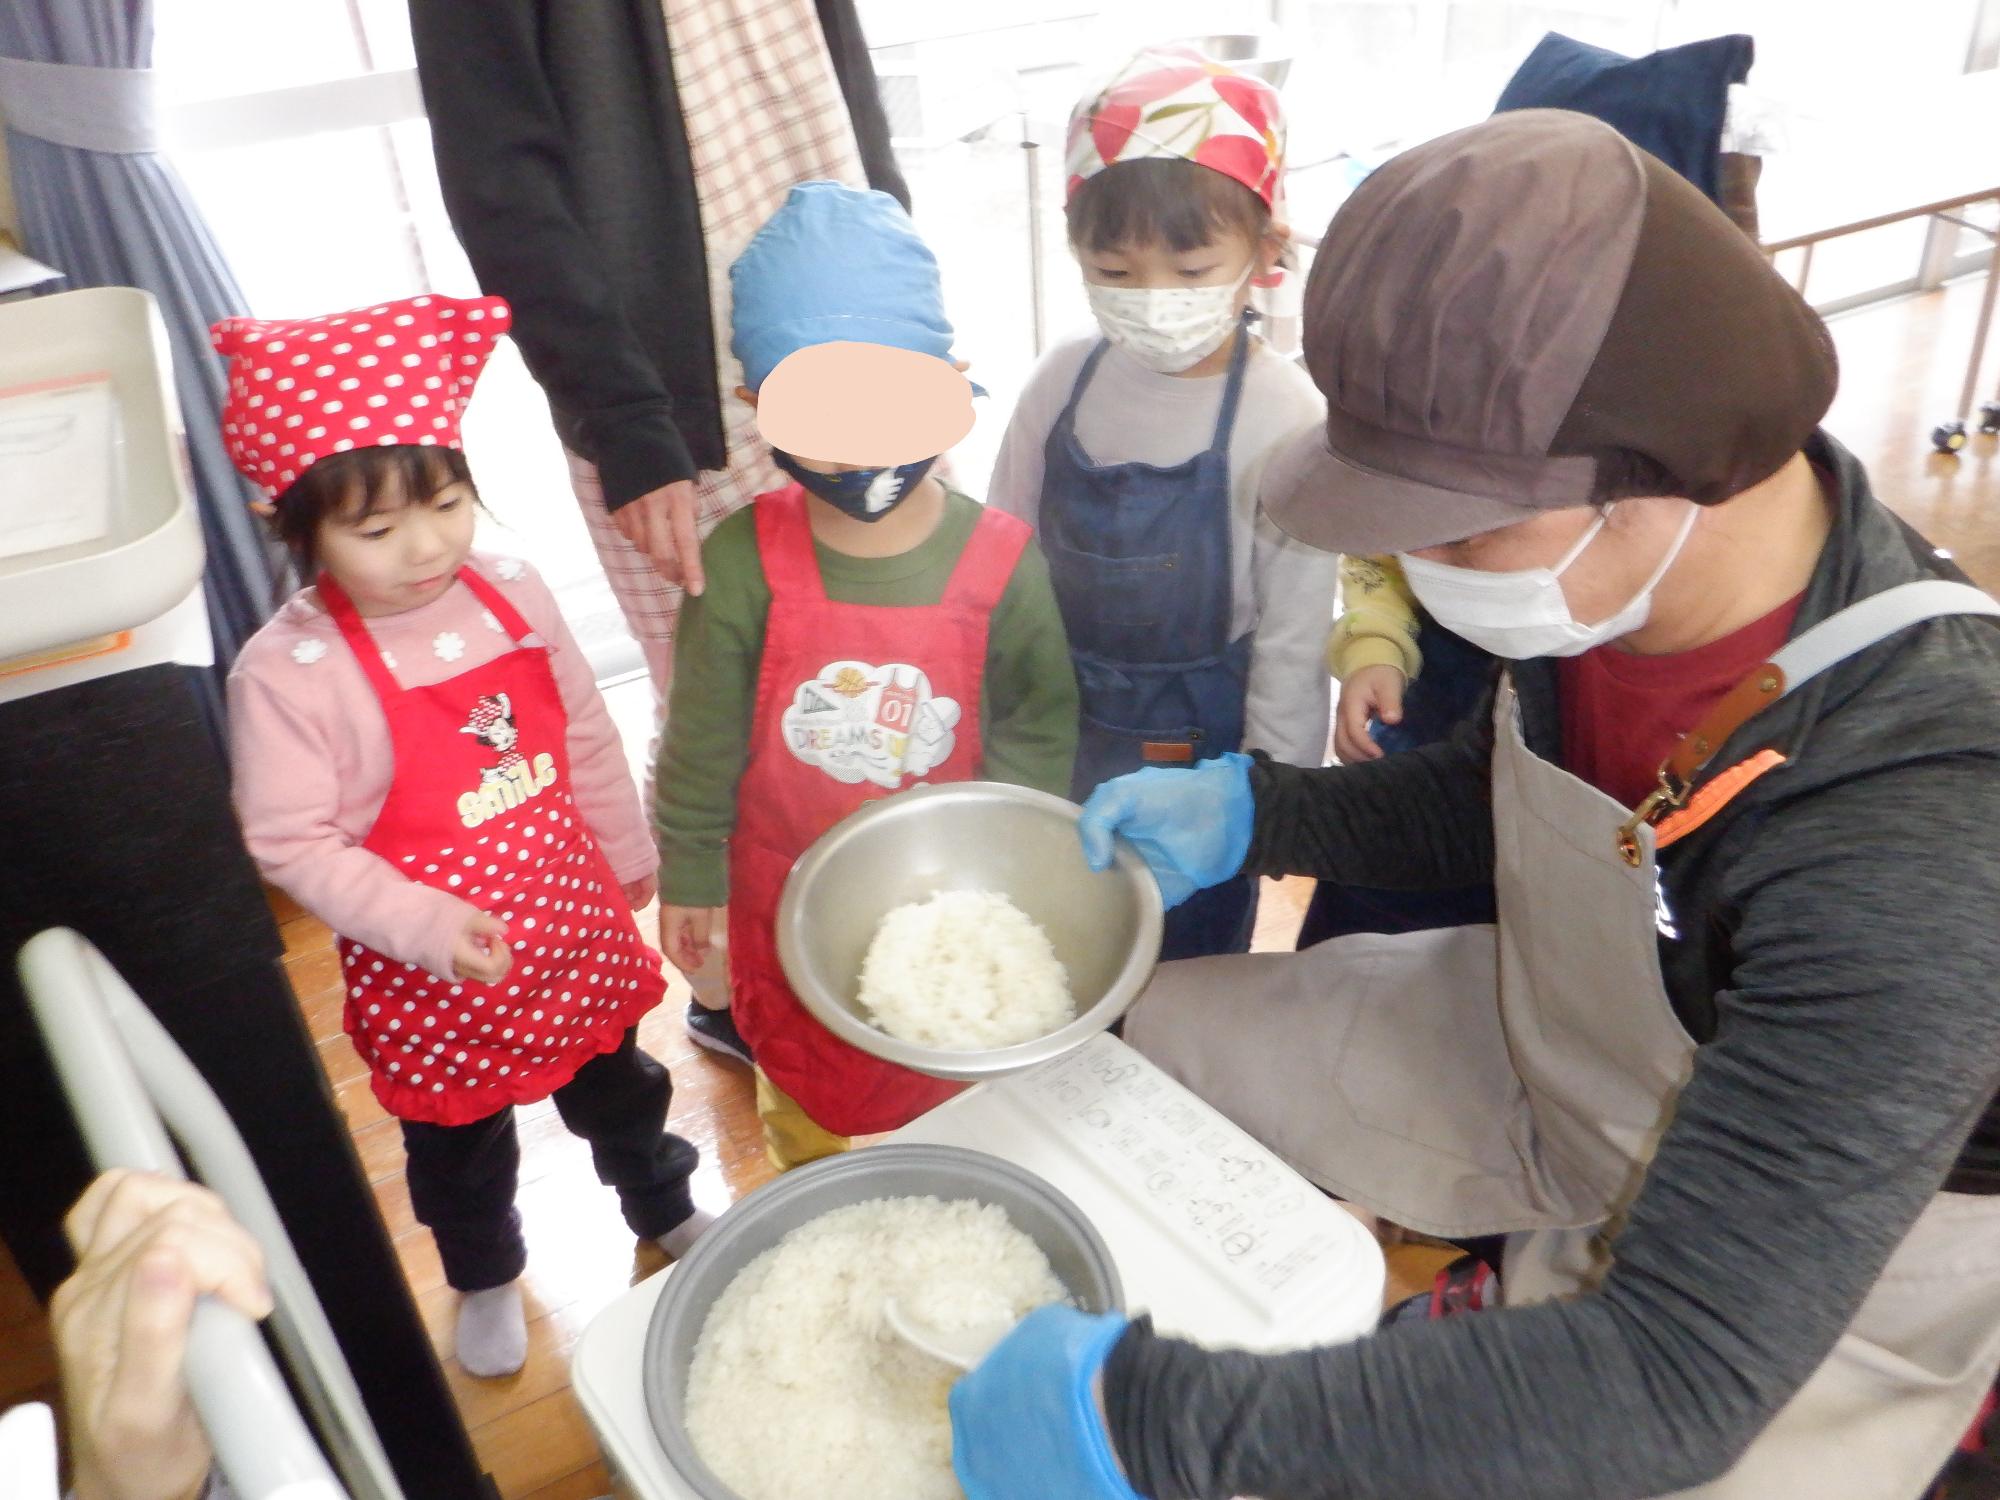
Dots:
pixel 865 494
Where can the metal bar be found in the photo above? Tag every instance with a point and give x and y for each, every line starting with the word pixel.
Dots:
pixel 209 1138
pixel 1873 297
pixel 1980 330
pixel 359 102
pixel 1031 153
pixel 261 1443
pixel 1983 230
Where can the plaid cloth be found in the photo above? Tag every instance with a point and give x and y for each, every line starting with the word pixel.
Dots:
pixel 763 111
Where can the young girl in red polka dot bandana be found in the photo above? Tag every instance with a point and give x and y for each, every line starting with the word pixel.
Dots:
pixel 422 760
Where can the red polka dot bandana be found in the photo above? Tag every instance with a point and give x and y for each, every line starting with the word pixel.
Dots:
pixel 1177 102
pixel 400 372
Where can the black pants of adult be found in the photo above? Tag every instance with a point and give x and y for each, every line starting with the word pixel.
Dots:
pixel 115 820
pixel 463 1177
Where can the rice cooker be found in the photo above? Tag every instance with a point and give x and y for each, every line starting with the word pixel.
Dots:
pixel 1211 1233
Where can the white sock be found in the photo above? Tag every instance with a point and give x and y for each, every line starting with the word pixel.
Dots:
pixel 492 1331
pixel 680 1239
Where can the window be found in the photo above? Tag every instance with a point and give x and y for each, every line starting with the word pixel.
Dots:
pixel 299 128
pixel 1818 69
pixel 966 87
pixel 1377 73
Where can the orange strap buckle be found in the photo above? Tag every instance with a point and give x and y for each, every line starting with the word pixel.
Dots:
pixel 1684 814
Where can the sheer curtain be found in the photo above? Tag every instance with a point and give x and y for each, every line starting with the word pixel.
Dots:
pixel 95 199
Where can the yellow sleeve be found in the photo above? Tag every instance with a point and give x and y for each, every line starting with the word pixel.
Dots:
pixel 1378 620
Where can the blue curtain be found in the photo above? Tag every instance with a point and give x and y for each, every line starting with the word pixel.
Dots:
pixel 97 201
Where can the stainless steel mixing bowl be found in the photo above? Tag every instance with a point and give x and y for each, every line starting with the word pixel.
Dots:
pixel 967 836
pixel 1076 1253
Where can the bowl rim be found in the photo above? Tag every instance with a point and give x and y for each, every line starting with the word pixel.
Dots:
pixel 669 1431
pixel 969 1065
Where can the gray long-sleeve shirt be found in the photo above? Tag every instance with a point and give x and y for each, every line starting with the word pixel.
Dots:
pixel 1836 952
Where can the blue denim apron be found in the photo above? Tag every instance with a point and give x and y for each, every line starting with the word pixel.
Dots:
pixel 1140 558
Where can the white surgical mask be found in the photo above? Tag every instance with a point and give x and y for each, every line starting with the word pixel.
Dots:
pixel 1167 328
pixel 1523 613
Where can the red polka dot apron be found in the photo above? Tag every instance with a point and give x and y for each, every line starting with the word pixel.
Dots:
pixel 480 806
pixel 854 701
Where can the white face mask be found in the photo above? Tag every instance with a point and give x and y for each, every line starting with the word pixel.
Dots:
pixel 1167 328
pixel 1523 613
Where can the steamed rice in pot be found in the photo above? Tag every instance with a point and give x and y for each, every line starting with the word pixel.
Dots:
pixel 798 1389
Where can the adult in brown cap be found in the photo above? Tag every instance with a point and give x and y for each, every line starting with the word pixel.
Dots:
pixel 1722 1079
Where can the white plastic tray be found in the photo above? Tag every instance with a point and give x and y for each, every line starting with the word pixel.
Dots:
pixel 148 555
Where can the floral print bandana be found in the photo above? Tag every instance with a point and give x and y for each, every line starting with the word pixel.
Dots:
pixel 1175 101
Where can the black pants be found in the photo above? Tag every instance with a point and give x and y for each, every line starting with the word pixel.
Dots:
pixel 115 820
pixel 462 1177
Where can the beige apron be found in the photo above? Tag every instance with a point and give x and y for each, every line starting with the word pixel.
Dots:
pixel 1517 1078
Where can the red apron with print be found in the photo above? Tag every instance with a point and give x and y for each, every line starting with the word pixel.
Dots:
pixel 854 701
pixel 479 805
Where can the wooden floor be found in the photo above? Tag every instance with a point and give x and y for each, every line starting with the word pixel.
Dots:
pixel 528 1429
pixel 1902 365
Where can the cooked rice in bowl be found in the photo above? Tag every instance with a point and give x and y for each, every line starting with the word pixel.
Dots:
pixel 965 971
pixel 799 1388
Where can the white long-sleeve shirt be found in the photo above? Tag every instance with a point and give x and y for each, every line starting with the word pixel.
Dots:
pixel 1281 590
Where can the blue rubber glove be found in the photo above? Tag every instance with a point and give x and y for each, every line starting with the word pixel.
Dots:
pixel 1191 827
pixel 1024 1424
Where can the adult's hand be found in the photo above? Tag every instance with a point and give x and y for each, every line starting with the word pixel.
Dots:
pixel 147 1247
pixel 1026 1424
pixel 1191 827
pixel 660 523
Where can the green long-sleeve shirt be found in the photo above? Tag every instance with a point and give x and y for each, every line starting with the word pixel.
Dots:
pixel 1027 705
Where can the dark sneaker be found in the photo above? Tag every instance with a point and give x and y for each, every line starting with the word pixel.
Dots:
pixel 715 1031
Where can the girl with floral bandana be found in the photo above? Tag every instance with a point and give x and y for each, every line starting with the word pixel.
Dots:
pixel 1195 626
pixel 422 760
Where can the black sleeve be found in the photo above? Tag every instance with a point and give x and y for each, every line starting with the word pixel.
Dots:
pixel 1418 820
pixel 1858 1039
pixel 856 71
pixel 503 164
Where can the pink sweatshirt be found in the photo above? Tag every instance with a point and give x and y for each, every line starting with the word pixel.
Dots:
pixel 312 759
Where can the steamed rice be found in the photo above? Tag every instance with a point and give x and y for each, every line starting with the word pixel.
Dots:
pixel 965 970
pixel 798 1387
